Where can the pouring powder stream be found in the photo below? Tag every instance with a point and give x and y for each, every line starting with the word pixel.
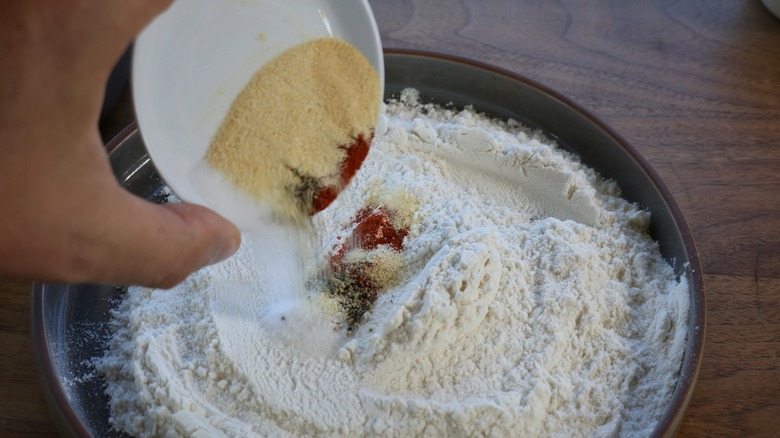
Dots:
pixel 299 130
pixel 291 141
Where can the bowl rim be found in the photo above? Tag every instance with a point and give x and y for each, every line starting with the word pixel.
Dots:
pixel 65 416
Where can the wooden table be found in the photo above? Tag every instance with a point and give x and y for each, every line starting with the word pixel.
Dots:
pixel 693 84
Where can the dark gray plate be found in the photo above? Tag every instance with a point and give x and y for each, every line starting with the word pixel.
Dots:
pixel 70 322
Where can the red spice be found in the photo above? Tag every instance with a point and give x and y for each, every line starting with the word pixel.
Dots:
pixel 355 154
pixel 322 199
pixel 373 227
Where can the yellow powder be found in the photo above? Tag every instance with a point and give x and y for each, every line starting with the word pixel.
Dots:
pixel 329 304
pixel 397 199
pixel 281 136
pixel 384 266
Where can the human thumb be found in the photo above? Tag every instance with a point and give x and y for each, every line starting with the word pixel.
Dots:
pixel 160 245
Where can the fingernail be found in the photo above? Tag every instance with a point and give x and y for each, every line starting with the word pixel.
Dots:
pixel 225 248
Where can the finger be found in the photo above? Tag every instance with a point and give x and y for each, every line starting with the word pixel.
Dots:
pixel 159 246
pixel 76 42
pixel 123 21
pixel 141 13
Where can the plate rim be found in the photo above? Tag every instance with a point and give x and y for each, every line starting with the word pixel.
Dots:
pixel 67 419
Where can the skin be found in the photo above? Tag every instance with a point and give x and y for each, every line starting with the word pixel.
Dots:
pixel 64 216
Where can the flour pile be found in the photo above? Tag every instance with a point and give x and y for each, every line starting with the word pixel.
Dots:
pixel 531 301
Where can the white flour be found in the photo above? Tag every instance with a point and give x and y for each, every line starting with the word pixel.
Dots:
pixel 533 302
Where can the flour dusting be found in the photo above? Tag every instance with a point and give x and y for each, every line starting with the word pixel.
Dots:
pixel 527 297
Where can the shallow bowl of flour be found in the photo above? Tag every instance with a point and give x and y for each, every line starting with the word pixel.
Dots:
pixel 71 323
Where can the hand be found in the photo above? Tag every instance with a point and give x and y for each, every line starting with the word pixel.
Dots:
pixel 64 216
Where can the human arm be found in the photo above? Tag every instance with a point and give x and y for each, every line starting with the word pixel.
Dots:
pixel 65 217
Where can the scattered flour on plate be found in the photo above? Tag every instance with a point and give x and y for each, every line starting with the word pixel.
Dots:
pixel 532 301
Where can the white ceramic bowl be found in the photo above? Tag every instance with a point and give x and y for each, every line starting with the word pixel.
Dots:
pixel 191 62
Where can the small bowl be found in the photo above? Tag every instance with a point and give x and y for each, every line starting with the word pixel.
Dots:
pixel 193 60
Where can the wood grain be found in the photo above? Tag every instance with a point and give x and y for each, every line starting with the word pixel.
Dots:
pixel 23 411
pixel 693 84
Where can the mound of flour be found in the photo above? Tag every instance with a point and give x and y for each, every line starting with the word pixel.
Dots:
pixel 532 301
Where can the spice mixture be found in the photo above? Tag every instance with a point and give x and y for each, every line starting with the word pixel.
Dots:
pixel 301 127
pixel 367 263
pixel 473 280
